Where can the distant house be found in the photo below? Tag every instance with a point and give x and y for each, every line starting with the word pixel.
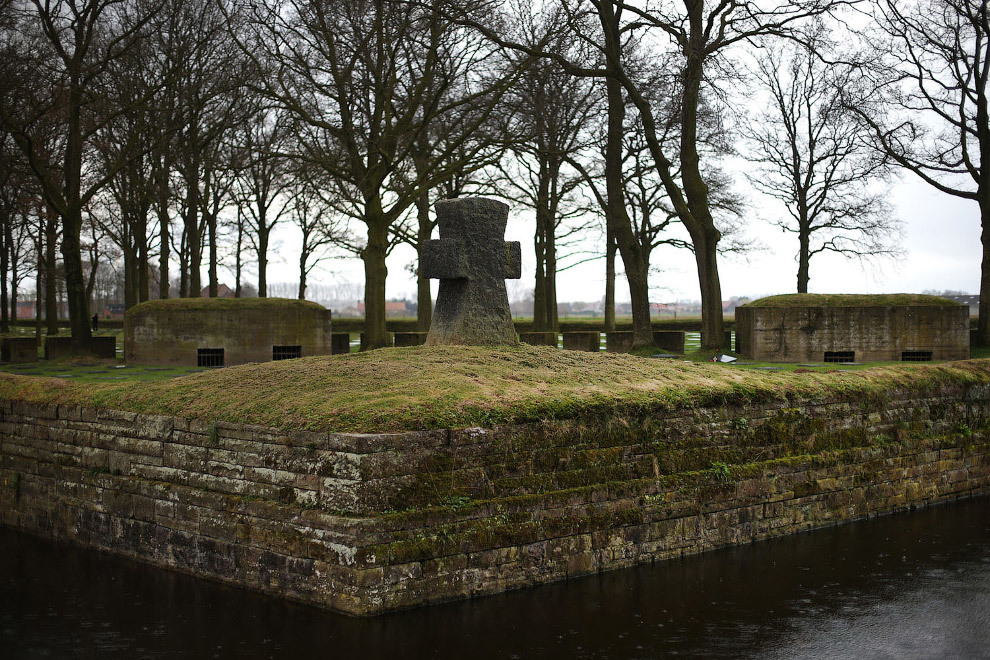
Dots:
pixel 223 291
pixel 26 309
pixel 582 308
pixel 393 308
pixel 113 311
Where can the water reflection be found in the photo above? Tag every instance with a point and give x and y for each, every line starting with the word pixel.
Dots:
pixel 910 585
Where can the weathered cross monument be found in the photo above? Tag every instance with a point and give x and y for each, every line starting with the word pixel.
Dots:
pixel 472 260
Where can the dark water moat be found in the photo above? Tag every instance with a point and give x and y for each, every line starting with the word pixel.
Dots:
pixel 913 585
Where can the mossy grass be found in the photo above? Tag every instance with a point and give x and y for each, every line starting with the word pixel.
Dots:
pixel 451 387
pixel 183 304
pixel 979 352
pixel 852 300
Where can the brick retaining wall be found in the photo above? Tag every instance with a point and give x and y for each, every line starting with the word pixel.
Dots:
pixel 366 523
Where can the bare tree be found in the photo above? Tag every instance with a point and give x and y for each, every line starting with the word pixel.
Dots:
pixel 17 196
pixel 18 243
pixel 923 91
pixel 815 157
pixel 652 219
pixel 264 182
pixel 550 118
pixel 363 79
pixel 75 42
pixel 206 87
pixel 465 159
pixel 320 227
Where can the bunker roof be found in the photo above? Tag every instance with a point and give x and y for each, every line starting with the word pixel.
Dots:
pixel 852 300
pixel 276 305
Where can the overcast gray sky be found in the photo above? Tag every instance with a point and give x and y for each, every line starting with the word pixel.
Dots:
pixel 940 239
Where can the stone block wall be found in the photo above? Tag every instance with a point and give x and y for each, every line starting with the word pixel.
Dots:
pixel 367 523
pixel 581 341
pixel 18 349
pixel 340 343
pixel 59 346
pixel 409 338
pixel 670 340
pixel 539 338
pixel 248 330
pixel 872 334
pixel 619 342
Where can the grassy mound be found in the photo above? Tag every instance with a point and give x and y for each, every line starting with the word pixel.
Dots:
pixel 276 305
pixel 453 387
pixel 852 300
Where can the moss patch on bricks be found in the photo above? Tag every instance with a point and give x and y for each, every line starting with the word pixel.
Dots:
pixel 458 386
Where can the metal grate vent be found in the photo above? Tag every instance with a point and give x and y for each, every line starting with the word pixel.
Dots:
pixel 209 357
pixel 286 352
pixel 916 356
pixel 840 356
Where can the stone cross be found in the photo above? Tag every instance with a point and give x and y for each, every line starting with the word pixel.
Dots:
pixel 472 260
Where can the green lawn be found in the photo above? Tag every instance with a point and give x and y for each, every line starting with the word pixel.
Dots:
pixel 96 371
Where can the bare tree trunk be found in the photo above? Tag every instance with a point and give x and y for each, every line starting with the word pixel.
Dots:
pixel 303 258
pixel 540 283
pixel 162 197
pixel 550 263
pixel 616 215
pixel 375 273
pixel 212 229
pixel 238 262
pixel 550 205
pixel 51 293
pixel 262 257
pixel 130 283
pixel 703 233
pixel 983 324
pixel 94 263
pixel 544 226
pixel 143 276
pixel 629 248
pixel 5 249
pixel 75 285
pixel 38 290
pixel 609 281
pixel 75 282
pixel 424 297
pixel 15 279
pixel 712 325
pixel 803 262
pixel 183 266
pixel 194 241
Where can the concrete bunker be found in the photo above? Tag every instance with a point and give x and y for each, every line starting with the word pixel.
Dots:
pixel 835 328
pixel 217 332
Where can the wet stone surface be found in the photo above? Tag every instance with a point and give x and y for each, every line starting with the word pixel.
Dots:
pixel 913 585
